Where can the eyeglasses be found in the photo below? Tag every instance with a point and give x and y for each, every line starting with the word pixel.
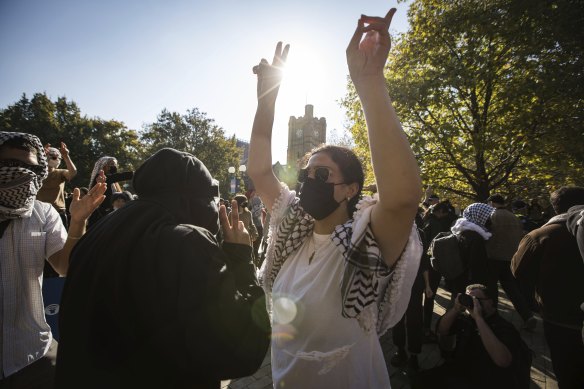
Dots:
pixel 321 173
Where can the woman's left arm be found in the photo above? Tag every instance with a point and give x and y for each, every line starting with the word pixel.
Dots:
pixel 395 167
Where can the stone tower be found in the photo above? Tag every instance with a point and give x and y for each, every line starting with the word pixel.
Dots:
pixel 304 133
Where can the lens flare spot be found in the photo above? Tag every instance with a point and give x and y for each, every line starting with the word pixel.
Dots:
pixel 285 310
pixel 283 333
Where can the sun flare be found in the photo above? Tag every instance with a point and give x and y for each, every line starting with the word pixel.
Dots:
pixel 303 77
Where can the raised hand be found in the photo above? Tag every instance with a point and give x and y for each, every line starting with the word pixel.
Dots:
pixel 64 150
pixel 233 231
pixel 367 57
pixel 270 76
pixel 81 209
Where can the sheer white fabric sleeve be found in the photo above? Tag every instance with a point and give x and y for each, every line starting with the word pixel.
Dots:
pixel 393 289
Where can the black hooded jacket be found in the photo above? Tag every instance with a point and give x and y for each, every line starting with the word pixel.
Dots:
pixel 152 301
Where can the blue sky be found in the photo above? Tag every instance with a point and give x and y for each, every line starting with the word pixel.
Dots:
pixel 127 60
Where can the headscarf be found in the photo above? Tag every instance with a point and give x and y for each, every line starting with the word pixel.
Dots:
pixel 54 157
pixel 478 213
pixel 19 181
pixel 99 165
pixel 474 218
pixel 54 152
pixel 182 184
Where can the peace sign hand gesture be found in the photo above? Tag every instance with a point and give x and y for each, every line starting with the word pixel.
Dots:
pixel 270 76
pixel 233 231
pixel 367 58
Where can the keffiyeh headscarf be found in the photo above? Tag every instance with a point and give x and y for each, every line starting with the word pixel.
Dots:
pixel 99 165
pixel 54 152
pixel 20 181
pixel 53 157
pixel 474 218
pixel 478 213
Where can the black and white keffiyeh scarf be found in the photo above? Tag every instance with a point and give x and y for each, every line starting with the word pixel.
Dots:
pixel 99 165
pixel 474 218
pixel 54 152
pixel 478 213
pixel 19 181
pixel 372 293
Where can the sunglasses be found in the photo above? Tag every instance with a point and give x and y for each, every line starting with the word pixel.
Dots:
pixel 321 173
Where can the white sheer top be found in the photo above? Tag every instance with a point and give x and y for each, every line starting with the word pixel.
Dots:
pixel 313 345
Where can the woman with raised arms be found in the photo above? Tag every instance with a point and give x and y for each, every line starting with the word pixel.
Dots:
pixel 339 268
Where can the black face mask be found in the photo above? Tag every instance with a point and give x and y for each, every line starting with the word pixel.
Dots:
pixel 317 198
pixel 113 170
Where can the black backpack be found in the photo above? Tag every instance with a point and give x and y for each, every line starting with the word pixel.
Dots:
pixel 445 255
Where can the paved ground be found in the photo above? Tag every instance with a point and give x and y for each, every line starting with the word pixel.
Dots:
pixel 542 375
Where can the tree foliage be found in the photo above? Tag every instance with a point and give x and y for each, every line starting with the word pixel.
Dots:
pixel 197 134
pixel 87 138
pixel 491 95
pixel 91 138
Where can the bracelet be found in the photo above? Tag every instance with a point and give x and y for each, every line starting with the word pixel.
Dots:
pixel 74 237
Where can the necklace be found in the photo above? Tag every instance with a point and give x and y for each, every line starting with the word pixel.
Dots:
pixel 311 257
pixel 316 246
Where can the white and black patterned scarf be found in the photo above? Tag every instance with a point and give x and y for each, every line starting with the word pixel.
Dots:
pixel 371 292
pixel 99 165
pixel 19 181
pixel 474 218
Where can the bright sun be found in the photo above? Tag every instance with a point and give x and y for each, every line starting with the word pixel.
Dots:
pixel 304 83
pixel 303 78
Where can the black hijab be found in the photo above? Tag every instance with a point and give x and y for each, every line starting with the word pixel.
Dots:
pixel 180 183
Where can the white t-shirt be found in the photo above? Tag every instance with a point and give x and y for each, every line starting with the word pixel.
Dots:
pixel 313 345
pixel 24 247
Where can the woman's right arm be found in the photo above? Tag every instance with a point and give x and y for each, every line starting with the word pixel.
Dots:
pixel 259 166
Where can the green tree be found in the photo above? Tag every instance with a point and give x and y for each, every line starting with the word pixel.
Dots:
pixel 197 134
pixel 490 93
pixel 87 138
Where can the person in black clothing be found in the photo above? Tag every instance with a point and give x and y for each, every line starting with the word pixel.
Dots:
pixel 437 219
pixel 109 165
pixel 151 299
pixel 410 328
pixel 471 231
pixel 483 350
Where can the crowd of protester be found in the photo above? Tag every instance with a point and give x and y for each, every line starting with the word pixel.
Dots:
pixel 174 286
pixel 497 247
